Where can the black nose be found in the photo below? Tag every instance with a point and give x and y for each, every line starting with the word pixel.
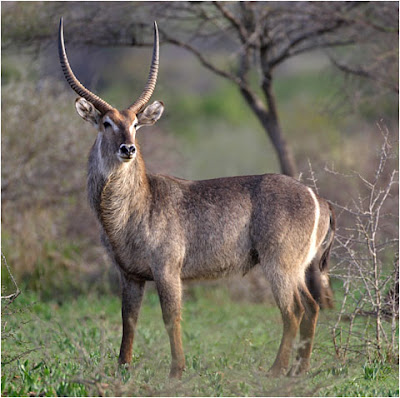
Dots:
pixel 127 150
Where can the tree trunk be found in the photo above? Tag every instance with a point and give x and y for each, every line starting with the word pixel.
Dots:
pixel 269 121
pixel 285 154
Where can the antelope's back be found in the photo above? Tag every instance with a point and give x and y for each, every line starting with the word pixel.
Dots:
pixel 229 224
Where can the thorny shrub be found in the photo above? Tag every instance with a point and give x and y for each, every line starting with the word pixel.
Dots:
pixel 366 256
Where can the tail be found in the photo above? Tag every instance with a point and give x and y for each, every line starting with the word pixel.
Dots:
pixel 324 260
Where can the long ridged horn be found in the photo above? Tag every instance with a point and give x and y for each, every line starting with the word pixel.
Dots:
pixel 75 84
pixel 152 79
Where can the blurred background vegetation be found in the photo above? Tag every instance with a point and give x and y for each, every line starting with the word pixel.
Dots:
pixel 329 102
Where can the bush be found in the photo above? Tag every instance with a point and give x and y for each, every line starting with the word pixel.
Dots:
pixel 367 262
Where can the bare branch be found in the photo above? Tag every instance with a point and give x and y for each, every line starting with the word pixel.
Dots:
pixel 362 72
pixel 19 356
pixel 236 23
pixel 289 49
pixel 13 296
pixel 201 58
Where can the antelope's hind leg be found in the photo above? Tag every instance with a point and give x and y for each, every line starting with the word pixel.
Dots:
pixel 288 299
pixel 307 332
pixel 132 295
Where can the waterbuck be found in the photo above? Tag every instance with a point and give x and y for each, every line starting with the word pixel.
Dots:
pixel 167 230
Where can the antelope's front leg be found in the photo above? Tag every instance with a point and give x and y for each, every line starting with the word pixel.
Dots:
pixel 132 294
pixel 169 291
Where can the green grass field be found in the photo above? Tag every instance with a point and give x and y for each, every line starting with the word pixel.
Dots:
pixel 71 349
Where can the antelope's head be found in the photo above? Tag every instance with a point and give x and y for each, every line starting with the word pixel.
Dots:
pixel 117 129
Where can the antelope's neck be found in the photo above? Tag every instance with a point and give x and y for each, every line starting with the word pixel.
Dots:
pixel 123 199
pixel 119 197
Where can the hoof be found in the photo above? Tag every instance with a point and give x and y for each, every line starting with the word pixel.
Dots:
pixel 176 373
pixel 123 363
pixel 177 368
pixel 298 369
pixel 276 371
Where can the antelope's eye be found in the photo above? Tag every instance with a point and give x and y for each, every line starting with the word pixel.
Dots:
pixel 106 124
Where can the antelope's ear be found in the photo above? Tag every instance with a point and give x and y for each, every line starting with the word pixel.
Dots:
pixel 87 111
pixel 150 115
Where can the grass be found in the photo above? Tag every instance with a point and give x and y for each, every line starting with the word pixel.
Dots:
pixel 71 349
